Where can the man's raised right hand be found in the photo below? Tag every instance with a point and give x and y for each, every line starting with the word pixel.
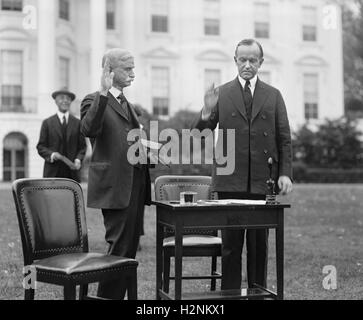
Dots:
pixel 210 101
pixel 106 78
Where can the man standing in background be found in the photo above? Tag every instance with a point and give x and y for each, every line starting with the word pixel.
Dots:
pixel 61 143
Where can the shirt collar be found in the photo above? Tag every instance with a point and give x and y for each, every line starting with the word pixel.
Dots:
pixel 253 82
pixel 61 115
pixel 115 92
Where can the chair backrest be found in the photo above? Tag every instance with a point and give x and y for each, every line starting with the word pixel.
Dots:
pixel 170 187
pixel 51 217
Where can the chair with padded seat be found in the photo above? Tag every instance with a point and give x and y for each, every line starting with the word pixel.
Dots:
pixel 196 242
pixel 52 222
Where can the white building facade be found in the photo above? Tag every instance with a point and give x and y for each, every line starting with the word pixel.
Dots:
pixel 180 47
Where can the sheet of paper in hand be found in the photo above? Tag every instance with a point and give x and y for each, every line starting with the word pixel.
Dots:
pixel 68 162
pixel 153 151
pixel 151 144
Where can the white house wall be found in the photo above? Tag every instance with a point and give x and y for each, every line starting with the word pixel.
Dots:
pixel 185 50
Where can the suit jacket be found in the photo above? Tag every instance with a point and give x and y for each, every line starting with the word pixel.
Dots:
pixel 110 174
pixel 268 135
pixel 51 140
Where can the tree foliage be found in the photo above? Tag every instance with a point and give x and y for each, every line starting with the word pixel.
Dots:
pixel 353 50
pixel 335 144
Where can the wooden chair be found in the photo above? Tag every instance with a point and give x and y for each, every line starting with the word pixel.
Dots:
pixel 196 243
pixel 52 222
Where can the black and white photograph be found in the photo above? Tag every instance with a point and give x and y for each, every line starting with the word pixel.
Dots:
pixel 181 150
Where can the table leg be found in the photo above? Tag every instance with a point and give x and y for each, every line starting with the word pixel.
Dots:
pixel 159 248
pixel 280 255
pixel 178 259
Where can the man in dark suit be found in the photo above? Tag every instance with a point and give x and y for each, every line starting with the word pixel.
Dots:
pixel 115 185
pixel 60 138
pixel 257 114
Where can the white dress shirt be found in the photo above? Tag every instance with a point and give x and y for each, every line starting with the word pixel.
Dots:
pixel 61 115
pixel 253 82
pixel 115 92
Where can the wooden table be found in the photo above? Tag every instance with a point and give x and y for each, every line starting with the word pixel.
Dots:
pixel 215 216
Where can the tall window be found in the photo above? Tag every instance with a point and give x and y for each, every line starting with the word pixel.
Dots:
pixel 64 9
pixel 15 156
pixel 11 73
pixel 212 76
pixel 110 14
pixel 262 20
pixel 64 66
pixel 160 91
pixel 159 15
pixel 12 5
pixel 265 76
pixel 311 95
pixel 212 17
pixel 310 22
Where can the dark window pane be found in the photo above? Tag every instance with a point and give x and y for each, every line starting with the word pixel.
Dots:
pixel 7 158
pixel 20 174
pixel 311 111
pixel 64 9
pixel 11 98
pixel 309 33
pixel 12 5
pixel 110 20
pixel 159 23
pixel 262 30
pixel 7 175
pixel 20 159
pixel 211 27
pixel 161 106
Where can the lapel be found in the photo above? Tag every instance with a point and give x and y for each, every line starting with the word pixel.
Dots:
pixel 55 123
pixel 259 98
pixel 134 116
pixel 116 106
pixel 237 98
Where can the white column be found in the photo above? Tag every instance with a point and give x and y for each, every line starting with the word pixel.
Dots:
pixel 97 40
pixel 128 42
pixel 128 25
pixel 46 56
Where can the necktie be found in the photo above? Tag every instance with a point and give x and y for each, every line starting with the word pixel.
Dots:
pixel 124 104
pixel 64 122
pixel 64 134
pixel 247 94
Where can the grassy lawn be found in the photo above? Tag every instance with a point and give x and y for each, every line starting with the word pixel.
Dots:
pixel 323 227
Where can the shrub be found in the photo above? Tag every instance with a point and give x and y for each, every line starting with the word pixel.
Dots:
pixel 333 144
pixel 328 175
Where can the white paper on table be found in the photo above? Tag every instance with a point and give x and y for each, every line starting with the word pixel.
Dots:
pixel 236 201
pixel 151 144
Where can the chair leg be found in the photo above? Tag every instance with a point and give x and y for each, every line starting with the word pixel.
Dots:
pixel 132 286
pixel 213 272
pixel 83 291
pixel 69 292
pixel 166 272
pixel 29 294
